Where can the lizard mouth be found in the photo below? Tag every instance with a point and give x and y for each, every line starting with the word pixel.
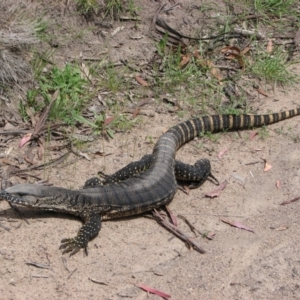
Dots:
pixel 19 199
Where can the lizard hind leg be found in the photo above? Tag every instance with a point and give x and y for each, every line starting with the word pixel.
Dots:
pixel 195 174
pixel 90 228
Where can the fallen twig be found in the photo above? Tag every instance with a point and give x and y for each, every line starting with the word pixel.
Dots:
pixel 38 265
pixel 290 201
pixel 42 166
pixel 194 229
pixel 71 273
pixel 176 231
pixel 100 282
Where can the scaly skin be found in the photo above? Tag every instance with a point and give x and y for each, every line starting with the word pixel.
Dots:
pixel 137 194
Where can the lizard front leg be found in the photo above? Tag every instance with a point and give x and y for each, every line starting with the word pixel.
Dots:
pixel 90 228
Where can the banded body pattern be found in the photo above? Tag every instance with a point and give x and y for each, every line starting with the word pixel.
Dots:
pixel 152 188
pixel 157 185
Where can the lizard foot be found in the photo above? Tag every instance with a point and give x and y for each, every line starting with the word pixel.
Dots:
pixel 89 230
pixel 71 245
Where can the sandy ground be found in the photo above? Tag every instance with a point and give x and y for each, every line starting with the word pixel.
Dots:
pixel 238 264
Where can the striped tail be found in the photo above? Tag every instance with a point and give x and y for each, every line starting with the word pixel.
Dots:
pixel 190 129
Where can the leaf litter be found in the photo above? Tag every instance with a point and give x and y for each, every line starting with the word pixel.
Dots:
pixel 153 291
pixel 237 224
pixel 217 192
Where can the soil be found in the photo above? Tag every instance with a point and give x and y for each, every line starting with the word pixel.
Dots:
pixel 238 264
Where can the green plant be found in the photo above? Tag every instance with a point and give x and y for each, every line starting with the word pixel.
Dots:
pixel 71 97
pixel 40 61
pixel 274 67
pixel 161 46
pixel 149 139
pixel 263 132
pixel 214 137
pixel 112 79
pixel 132 8
pixel 87 6
pixel 41 28
pixel 275 7
pixel 22 111
pixel 113 8
pixel 123 123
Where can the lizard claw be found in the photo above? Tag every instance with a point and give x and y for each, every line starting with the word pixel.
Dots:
pixel 70 245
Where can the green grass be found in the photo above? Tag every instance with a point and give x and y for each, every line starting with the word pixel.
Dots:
pixel 274 67
pixel 263 132
pixel 71 98
pixel 274 7
pixel 193 85
pixel 41 28
pixel 214 137
pixel 115 8
pixel 87 6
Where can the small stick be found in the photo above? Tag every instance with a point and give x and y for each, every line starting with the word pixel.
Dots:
pixel 176 231
pixel 193 228
pixel 290 201
pixel 71 273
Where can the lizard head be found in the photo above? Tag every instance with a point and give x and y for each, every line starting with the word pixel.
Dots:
pixel 26 194
pixel 31 194
pixel 51 198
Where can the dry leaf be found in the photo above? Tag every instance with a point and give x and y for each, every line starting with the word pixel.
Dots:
pixel 31 115
pixel 196 54
pixel 186 189
pixel 257 149
pixel 236 224
pixel 290 201
pixel 267 166
pixel 252 135
pixel 210 235
pixel 216 73
pixel 217 192
pixel 141 81
pixel 40 122
pixel 269 46
pixel 136 112
pixel 153 291
pixel 108 120
pixel 41 149
pixel 262 92
pixel 25 139
pixel 221 153
pixel 234 53
pixel 281 228
pixel 85 72
pixel 228 50
pixel 184 60
pixel 84 155
pixel 172 216
pixel 246 50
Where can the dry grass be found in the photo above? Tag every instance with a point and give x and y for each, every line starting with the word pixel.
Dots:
pixel 16 37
